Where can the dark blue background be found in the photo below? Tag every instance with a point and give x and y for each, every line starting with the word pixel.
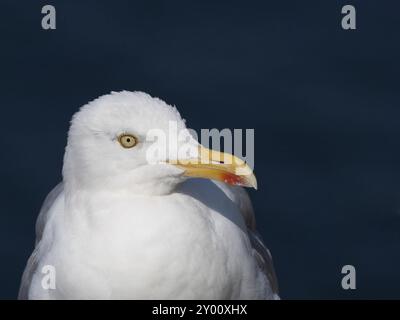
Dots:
pixel 324 103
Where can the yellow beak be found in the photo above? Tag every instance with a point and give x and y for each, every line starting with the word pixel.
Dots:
pixel 219 166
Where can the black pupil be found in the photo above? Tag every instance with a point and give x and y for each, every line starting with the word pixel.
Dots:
pixel 128 140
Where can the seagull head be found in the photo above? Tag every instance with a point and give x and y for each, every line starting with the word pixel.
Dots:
pixel 124 140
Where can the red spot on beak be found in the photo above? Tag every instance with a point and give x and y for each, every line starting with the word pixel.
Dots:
pixel 232 179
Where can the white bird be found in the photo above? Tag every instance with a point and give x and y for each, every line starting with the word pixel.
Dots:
pixel 126 225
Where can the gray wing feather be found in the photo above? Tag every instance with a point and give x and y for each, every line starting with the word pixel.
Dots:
pixel 30 268
pixel 262 255
pixel 45 210
pixel 43 218
pixel 264 260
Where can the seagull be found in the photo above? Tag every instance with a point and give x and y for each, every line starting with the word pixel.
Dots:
pixel 127 223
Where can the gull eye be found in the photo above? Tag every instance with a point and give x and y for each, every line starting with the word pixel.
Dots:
pixel 127 140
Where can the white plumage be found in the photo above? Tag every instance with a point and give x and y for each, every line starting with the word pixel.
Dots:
pixel 118 227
